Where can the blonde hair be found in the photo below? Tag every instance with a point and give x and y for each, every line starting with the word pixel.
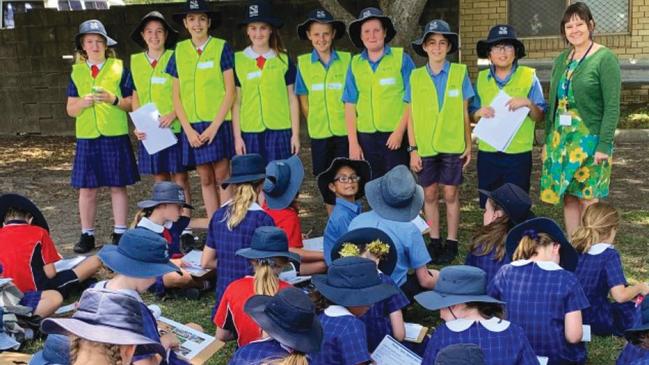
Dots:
pixel 492 236
pixel 266 281
pixel 244 195
pixel 142 213
pixel 597 223
pixel 80 56
pixel 112 352
pixel 295 358
pixel 529 244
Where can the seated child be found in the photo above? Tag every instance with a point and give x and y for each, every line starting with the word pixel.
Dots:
pixel 269 255
pixel 506 207
pixel 636 351
pixel 341 185
pixel 460 354
pixel 384 317
pixel 349 289
pixel 281 188
pixel 542 294
pixel 471 316
pixel 600 272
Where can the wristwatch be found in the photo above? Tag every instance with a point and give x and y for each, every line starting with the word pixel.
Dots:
pixel 411 148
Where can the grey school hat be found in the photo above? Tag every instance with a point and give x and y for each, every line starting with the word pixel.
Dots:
pixel 165 192
pixel 93 26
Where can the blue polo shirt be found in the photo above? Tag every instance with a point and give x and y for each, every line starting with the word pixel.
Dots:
pixel 439 80
pixel 300 86
pixel 350 93
pixel 342 215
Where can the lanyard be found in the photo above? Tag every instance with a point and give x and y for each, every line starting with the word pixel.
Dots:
pixel 569 75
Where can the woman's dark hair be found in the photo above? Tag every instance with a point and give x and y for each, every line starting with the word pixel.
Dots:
pixel 581 11
pixel 488 310
pixel 492 236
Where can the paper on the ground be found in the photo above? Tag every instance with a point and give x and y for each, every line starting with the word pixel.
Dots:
pixel 415 332
pixel 314 244
pixel 192 261
pixel 192 342
pixel 390 352
pixel 421 224
pixel 500 130
pixel 69 263
pixel 157 138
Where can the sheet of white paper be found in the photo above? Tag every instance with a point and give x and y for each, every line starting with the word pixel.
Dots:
pixel 290 275
pixel 499 131
pixel 390 352
pixel 585 335
pixel 5 281
pixel 146 120
pixel 412 331
pixel 192 262
pixel 192 342
pixel 69 263
pixel 314 244
pixel 421 224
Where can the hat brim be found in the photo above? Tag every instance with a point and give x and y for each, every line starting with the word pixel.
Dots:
pixel 355 29
pixel 110 42
pixel 297 176
pixel 569 256
pixel 386 265
pixel 361 167
pixel 127 266
pixel 305 341
pixel 418 44
pixel 337 25
pixel 254 254
pixel 18 201
pixel 484 46
pixel 102 334
pixel 274 21
pixel 154 203
pixel 215 17
pixel 399 214
pixel 512 217
pixel 242 179
pixel 7 342
pixel 433 300
pixel 172 34
pixel 39 359
pixel 355 296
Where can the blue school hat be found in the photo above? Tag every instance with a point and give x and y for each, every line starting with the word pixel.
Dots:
pixel 534 226
pixel 363 236
pixel 106 316
pixel 246 168
pixel 141 253
pixel 267 242
pixel 353 281
pixel 197 6
pixel 56 350
pixel 18 201
pixel 172 34
pixel 501 33
pixel 165 192
pixel 644 320
pixel 440 27
pixel 395 195
pixel 260 11
pixel 283 181
pixel 93 26
pixel 361 168
pixel 324 17
pixel 457 284
pixel 515 201
pixel 460 354
pixel 365 15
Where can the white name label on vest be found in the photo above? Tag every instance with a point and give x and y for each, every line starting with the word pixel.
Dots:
pixel 335 86
pixel 387 81
pixel 317 87
pixel 206 64
pixel 254 75
pixel 454 92
pixel 158 80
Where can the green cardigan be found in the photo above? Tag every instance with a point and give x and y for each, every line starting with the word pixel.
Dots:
pixel 596 85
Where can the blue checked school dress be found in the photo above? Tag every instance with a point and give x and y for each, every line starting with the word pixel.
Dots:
pixel 489 263
pixel 258 353
pixel 344 342
pixel 631 354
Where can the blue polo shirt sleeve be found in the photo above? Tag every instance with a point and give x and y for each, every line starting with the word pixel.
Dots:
pixel 467 88
pixel 417 253
pixel 576 298
pixel 353 343
pixel 289 76
pixel 350 92
pixel 536 94
pixel 475 103
pixel 171 66
pixel 407 95
pixel 72 91
pixel 227 58
pixel 613 269
pixel 407 65
pixel 300 86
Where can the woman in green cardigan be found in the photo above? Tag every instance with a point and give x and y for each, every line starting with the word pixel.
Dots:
pixel 584 111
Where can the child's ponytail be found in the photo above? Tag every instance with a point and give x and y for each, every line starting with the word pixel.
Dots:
pixel 531 241
pixel 244 195
pixel 295 358
pixel 492 236
pixel 142 213
pixel 266 280
pixel 597 223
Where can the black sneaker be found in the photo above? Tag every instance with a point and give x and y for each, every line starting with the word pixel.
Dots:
pixel 435 249
pixel 450 252
pixel 115 237
pixel 86 243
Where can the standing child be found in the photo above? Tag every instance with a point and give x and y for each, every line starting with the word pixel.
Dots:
pixel 266 112
pixel 439 133
pixel 506 207
pixel 99 95
pixel 350 287
pixel 341 185
pixel 600 272
pixel 203 92
pixel 542 294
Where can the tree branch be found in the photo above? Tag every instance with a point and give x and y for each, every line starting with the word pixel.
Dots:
pixel 337 10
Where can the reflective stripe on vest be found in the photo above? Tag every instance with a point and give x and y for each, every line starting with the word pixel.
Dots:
pixel 102 119
pixel 202 89
pixel 153 84
pixel 438 131
pixel 519 85
pixel 380 93
pixel 264 95
pixel 325 89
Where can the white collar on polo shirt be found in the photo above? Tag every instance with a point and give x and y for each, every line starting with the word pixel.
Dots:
pixel 252 54
pixel 99 65
pixel 545 265
pixel 152 226
pixel 337 311
pixel 598 248
pixel 493 324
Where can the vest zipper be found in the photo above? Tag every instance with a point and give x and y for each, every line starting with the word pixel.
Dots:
pixel 326 106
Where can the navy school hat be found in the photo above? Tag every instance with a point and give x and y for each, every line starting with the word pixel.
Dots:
pixel 365 15
pixel 569 256
pixel 440 27
pixel 283 181
pixel 246 168
pixel 268 242
pixel 141 253
pixel 106 316
pixel 172 34
pixel 18 201
pixel 644 320
pixel 515 201
pixel 363 236
pixel 457 284
pixel 353 281
pixel 56 350
pixel 261 11
pixel 197 6
pixel 361 167
pixel 93 26
pixel 395 195
pixel 165 192
pixel 320 16
pixel 288 317
pixel 501 33
pixel 460 354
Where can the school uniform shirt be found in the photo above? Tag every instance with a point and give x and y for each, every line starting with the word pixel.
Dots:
pixel 289 221
pixel 631 354
pixel 501 341
pixel 489 263
pixel 24 251
pixel 338 223
pixel 259 352
pixel 170 231
pixel 230 314
pixel 344 341
pixel 226 242
pixel 408 240
pixel 439 80
pixel 538 295
pixel 377 319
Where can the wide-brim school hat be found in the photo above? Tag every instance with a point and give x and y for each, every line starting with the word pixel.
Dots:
pixel 569 256
pixel 283 181
pixel 363 236
pixel 18 201
pixel 324 17
pixel 395 196
pixel 513 200
pixel 246 168
pixel 262 12
pixel 268 242
pixel 361 167
pixel 108 317
pixel 165 192
pixel 141 253
pixel 172 34
pixel 289 318
pixel 457 284
pixel 93 26
pixel 353 281
pixel 56 350
pixel 501 33
pixel 644 322
pixel 440 27
pixel 365 15
pixel 197 6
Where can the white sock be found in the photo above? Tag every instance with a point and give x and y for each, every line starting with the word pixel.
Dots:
pixel 187 231
pixel 119 229
pixel 88 231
